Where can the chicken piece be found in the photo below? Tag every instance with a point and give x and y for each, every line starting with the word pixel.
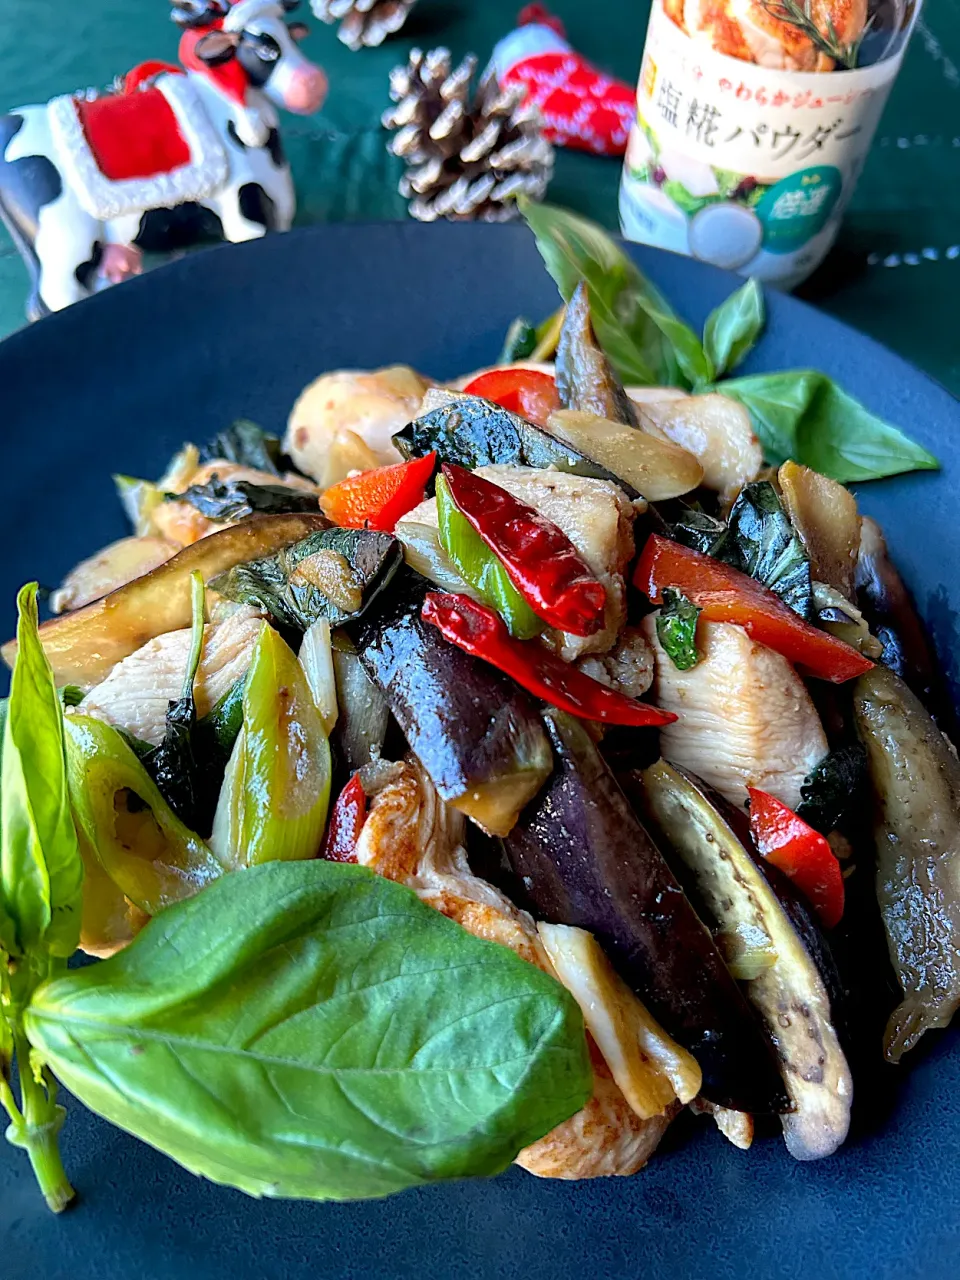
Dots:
pixel 744 715
pixel 344 421
pixel 628 667
pixel 716 430
pixel 135 694
pixel 603 1140
pixel 412 837
pixel 181 522
pixel 114 566
pixel 746 29
pixel 736 1126
pixel 597 518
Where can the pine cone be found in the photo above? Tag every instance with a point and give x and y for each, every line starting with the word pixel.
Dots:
pixel 363 22
pixel 467 158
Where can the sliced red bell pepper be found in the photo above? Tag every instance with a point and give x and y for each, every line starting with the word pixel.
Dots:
pixel 727 595
pixel 542 562
pixel 377 499
pixel 802 854
pixel 528 392
pixel 346 822
pixel 479 631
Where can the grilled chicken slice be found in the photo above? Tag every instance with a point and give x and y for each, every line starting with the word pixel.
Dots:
pixel 744 715
pixel 135 694
pixel 597 518
pixel 412 837
pixel 715 429
pixel 181 522
pixel 344 421
pixel 114 566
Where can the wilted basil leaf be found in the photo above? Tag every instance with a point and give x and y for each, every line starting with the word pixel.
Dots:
pixel 699 531
pixel 804 415
pixel 333 574
pixel 834 788
pixel 313 1030
pixel 246 444
pixel 677 629
pixel 641 334
pixel 520 340
pixel 763 543
pixel 237 499
pixel 734 327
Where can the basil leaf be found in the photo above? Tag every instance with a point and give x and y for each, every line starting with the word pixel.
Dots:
pixel 313 1030
pixel 699 531
pixel 519 342
pixel 835 788
pixel 238 499
pixel 246 444
pixel 804 415
pixel 40 866
pixel 71 695
pixel 677 629
pixel 733 328
pixel 640 332
pixel 762 542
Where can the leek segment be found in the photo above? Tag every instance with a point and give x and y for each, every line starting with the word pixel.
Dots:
pixel 273 805
pixel 144 848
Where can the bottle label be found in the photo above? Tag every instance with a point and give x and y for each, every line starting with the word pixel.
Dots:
pixel 742 165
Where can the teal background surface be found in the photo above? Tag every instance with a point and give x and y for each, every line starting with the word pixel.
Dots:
pixel 895 272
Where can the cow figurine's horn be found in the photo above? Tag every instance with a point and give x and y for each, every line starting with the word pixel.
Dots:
pixel 198 13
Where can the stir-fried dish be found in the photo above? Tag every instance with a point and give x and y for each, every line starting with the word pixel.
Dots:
pixel 478 774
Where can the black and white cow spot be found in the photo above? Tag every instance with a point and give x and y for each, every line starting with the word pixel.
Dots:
pixel 27 184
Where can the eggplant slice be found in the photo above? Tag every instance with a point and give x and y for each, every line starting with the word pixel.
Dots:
pixel 585 860
pixel 789 992
pixel 475 732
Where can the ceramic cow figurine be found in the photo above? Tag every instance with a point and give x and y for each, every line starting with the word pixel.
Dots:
pixel 174 155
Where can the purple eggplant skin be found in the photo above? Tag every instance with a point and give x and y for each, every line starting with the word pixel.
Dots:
pixel 585 377
pixel 475 731
pixel 585 860
pixel 892 617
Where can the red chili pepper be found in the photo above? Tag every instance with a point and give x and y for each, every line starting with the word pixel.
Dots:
pixel 346 822
pixel 528 392
pixel 727 595
pixel 543 564
pixel 377 499
pixel 800 853
pixel 479 631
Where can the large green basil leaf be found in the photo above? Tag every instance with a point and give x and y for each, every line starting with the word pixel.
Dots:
pixel 313 1030
pixel 41 871
pixel 733 328
pixel 642 335
pixel 804 415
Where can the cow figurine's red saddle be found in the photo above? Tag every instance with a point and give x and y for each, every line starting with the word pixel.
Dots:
pixel 151 145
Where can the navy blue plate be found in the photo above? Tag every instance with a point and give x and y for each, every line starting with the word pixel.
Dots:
pixel 115 384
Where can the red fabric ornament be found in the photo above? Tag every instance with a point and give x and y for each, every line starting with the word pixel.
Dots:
pixel 582 108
